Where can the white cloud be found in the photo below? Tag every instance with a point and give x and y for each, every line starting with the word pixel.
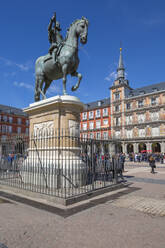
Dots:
pixel 23 85
pixel 111 76
pixel 22 67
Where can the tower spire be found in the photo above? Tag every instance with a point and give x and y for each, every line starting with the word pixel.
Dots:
pixel 120 69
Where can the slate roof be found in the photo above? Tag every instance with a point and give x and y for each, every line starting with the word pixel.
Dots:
pixel 95 105
pixel 11 110
pixel 147 89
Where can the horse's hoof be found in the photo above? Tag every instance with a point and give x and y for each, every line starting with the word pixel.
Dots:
pixel 73 88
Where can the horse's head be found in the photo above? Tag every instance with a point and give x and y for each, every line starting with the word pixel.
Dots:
pixel 82 29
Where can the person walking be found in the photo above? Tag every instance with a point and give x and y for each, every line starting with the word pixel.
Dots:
pixel 152 164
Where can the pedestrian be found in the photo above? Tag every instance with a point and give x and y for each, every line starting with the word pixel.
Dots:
pixel 162 158
pixel 152 164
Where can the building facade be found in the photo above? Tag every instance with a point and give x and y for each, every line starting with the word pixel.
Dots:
pixel 12 121
pixel 136 116
pixel 95 120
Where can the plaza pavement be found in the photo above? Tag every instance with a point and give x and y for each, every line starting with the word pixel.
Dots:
pixel 132 217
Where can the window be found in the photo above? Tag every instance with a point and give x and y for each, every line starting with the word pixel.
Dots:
pixel 4 129
pixel 27 122
pixel 105 122
pixel 117 134
pixel 5 118
pixel 155 116
pixel 10 119
pixel 140 104
pixel 91 115
pixel 117 108
pixel 105 112
pixel 98 135
pixel 117 121
pixel 91 125
pixel 128 119
pixel 27 130
pixel 117 96
pixel 155 131
pixel 84 126
pixel 105 135
pixel 129 134
pixel 128 105
pixel 19 121
pixel 142 92
pixel 99 103
pixel 153 100
pixel 141 118
pixel 91 135
pixel 18 129
pixel 142 132
pixel 97 113
pixel 98 124
pixel 84 135
pixel 84 116
pixel 0 117
pixel 154 89
pixel 10 129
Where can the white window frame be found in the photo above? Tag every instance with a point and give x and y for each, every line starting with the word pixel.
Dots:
pixel 105 112
pixel 91 115
pixel 85 126
pixel 98 124
pixel 91 125
pixel 84 115
pixel 98 113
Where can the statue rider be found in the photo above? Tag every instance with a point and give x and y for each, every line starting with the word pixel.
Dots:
pixel 55 38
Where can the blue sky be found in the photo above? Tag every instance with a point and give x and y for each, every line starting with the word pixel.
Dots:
pixel 139 25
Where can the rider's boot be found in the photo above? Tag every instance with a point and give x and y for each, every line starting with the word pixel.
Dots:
pixel 54 57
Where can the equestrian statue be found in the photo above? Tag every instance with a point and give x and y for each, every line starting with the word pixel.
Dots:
pixel 62 58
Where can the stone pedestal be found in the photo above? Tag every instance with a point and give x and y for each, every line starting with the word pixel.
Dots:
pixel 54 146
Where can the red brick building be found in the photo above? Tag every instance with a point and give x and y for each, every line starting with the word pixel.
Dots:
pixel 12 121
pixel 95 120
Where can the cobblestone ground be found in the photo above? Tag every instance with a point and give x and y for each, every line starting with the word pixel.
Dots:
pixel 134 220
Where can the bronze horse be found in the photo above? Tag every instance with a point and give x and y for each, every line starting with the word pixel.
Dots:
pixel 45 69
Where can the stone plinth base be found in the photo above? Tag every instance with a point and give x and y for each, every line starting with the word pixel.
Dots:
pixel 57 113
pixel 54 149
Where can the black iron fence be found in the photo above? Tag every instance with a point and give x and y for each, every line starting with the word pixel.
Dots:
pixel 56 164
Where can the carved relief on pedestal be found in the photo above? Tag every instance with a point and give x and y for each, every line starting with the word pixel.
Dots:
pixel 74 128
pixel 44 127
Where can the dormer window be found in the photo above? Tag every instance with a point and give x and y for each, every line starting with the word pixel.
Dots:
pixel 154 89
pixel 99 103
pixel 142 92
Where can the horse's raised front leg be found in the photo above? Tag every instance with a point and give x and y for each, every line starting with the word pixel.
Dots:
pixel 64 71
pixel 76 74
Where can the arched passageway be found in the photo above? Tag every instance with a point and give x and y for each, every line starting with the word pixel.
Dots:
pixel 142 147
pixel 156 147
pixel 119 148
pixel 130 148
